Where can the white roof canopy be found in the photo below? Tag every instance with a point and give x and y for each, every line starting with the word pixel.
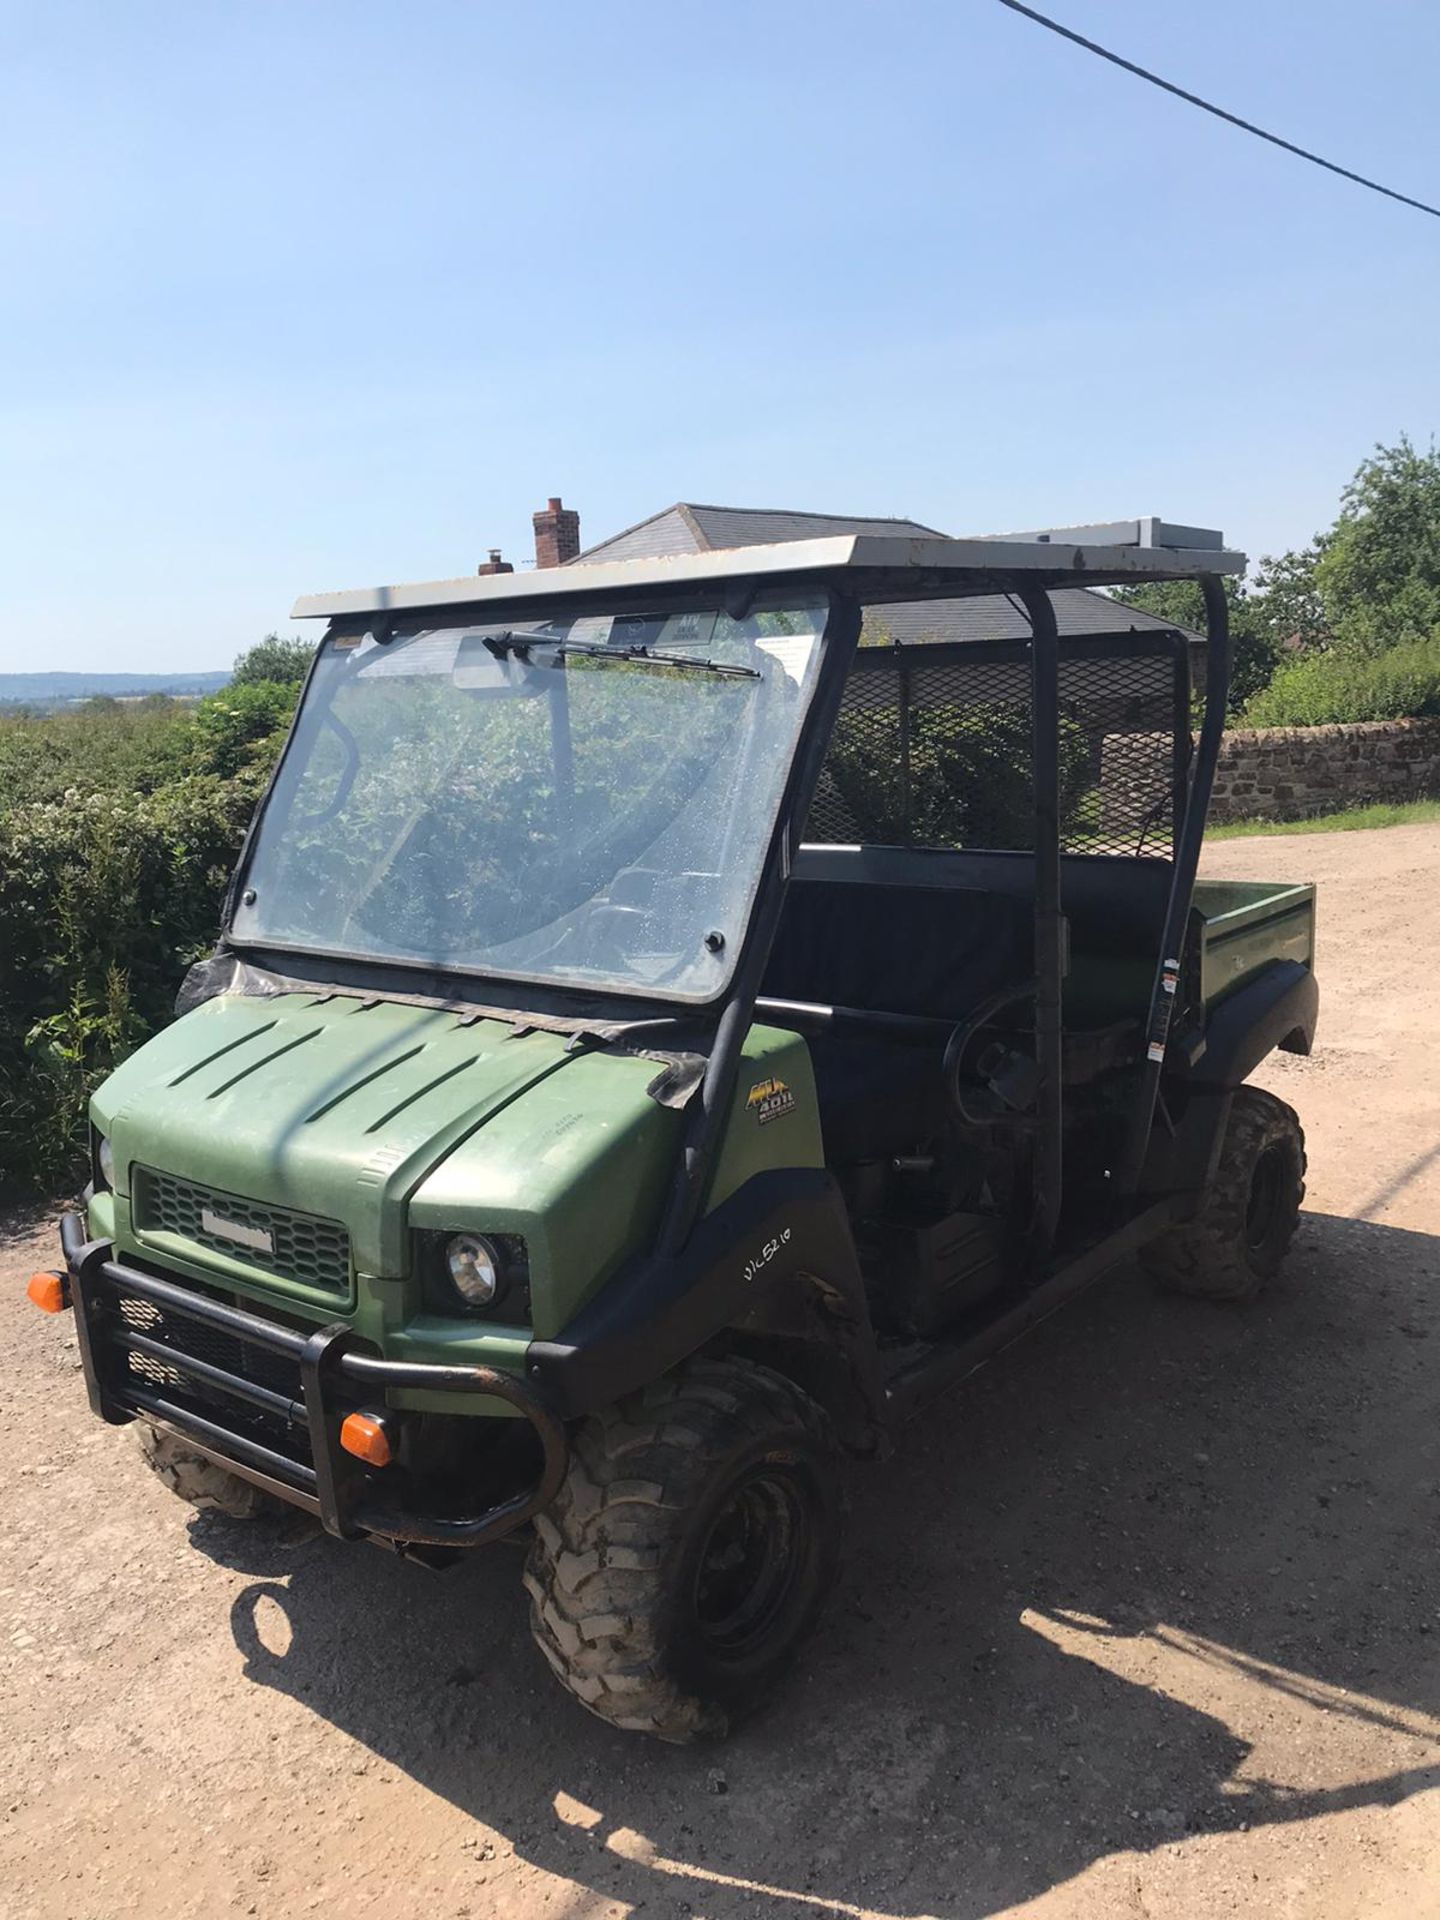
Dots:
pixel 875 567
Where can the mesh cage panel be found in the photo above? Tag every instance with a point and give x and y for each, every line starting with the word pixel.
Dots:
pixel 231 1355
pixel 932 747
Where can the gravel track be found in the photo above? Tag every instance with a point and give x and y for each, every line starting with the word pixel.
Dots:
pixel 1144 1621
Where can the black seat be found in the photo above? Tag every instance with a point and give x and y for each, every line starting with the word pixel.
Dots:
pixel 936 952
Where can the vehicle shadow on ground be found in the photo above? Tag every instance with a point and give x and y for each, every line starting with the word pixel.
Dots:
pixel 1259 1490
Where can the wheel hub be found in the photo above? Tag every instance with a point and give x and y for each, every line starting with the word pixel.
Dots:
pixel 749 1563
pixel 1267 1186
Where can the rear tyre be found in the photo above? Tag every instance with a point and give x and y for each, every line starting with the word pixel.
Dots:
pixel 1247 1219
pixel 690 1550
pixel 193 1478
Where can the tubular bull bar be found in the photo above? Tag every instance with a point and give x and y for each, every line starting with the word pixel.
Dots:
pixel 336 1377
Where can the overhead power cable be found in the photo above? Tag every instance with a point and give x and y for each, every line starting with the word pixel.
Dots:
pixel 1207 106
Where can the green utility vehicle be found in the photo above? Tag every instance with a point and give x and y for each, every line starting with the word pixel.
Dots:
pixel 656 1041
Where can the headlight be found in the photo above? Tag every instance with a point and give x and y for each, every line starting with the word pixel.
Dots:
pixel 105 1160
pixel 474 1268
pixel 485 1274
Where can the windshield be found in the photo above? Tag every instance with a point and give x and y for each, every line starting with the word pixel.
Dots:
pixel 586 801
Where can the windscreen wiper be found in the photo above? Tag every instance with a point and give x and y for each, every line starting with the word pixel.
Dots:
pixel 502 644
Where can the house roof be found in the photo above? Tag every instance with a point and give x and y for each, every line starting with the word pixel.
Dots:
pixel 687 528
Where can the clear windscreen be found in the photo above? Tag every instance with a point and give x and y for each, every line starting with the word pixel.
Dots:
pixel 586 801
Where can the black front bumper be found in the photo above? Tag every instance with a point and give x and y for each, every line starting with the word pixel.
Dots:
pixel 333 1376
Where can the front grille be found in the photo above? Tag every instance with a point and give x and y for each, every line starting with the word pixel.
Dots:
pixel 293 1246
pixel 223 1350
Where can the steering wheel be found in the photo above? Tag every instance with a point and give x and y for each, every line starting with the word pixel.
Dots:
pixel 961 1044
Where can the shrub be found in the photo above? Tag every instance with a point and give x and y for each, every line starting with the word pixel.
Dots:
pixel 99 745
pixel 241 726
pixel 1319 689
pixel 969 777
pixel 120 822
pixel 105 899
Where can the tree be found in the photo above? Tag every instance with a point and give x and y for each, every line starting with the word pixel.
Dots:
pixel 1287 590
pixel 1255 644
pixel 1379 572
pixel 1368 583
pixel 283 663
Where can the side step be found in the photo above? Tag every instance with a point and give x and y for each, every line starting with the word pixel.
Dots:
pixel 932 1270
pixel 922 1372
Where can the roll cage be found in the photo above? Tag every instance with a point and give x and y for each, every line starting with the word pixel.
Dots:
pixel 857 573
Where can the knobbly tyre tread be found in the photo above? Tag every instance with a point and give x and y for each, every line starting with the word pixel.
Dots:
pixel 594 1571
pixel 1207 1257
pixel 193 1478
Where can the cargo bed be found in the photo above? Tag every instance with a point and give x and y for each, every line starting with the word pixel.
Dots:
pixel 1239 926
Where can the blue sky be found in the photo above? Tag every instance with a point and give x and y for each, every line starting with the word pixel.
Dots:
pixel 314 293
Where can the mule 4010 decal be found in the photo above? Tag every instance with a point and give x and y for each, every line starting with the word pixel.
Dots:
pixel 768 1100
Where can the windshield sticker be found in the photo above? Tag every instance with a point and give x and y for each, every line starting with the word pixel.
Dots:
pixel 768 1100
pixel 591 629
pixel 792 651
pixel 689 630
pixel 431 653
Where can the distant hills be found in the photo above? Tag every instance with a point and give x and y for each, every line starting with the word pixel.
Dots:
pixel 59 689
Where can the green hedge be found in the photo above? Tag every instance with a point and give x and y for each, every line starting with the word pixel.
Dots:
pixel 105 899
pixel 969 779
pixel 120 822
pixel 130 746
pixel 1321 689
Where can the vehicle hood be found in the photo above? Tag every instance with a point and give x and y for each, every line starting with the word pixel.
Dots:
pixel 331 1106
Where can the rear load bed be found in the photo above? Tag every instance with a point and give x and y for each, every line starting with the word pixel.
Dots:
pixel 1240 926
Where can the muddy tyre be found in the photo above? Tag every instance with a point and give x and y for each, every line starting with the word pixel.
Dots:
pixel 193 1478
pixel 1237 1240
pixel 690 1549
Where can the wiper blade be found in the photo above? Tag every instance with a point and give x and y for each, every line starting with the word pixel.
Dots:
pixel 649 657
pixel 501 644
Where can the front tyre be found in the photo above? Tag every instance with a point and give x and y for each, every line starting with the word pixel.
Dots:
pixel 690 1549
pixel 193 1478
pixel 1249 1214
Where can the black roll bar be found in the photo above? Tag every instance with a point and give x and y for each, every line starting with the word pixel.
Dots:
pixel 1182 882
pixel 1048 1164
pixel 709 1112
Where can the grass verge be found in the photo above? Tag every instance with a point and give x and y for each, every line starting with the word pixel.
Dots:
pixel 1382 814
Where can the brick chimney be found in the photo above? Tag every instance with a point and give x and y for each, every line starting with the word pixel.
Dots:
pixel 495 564
pixel 557 534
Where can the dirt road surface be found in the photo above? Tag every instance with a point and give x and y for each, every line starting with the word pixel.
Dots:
pixel 1145 1621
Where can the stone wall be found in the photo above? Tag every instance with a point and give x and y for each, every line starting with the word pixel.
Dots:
pixel 1293 773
